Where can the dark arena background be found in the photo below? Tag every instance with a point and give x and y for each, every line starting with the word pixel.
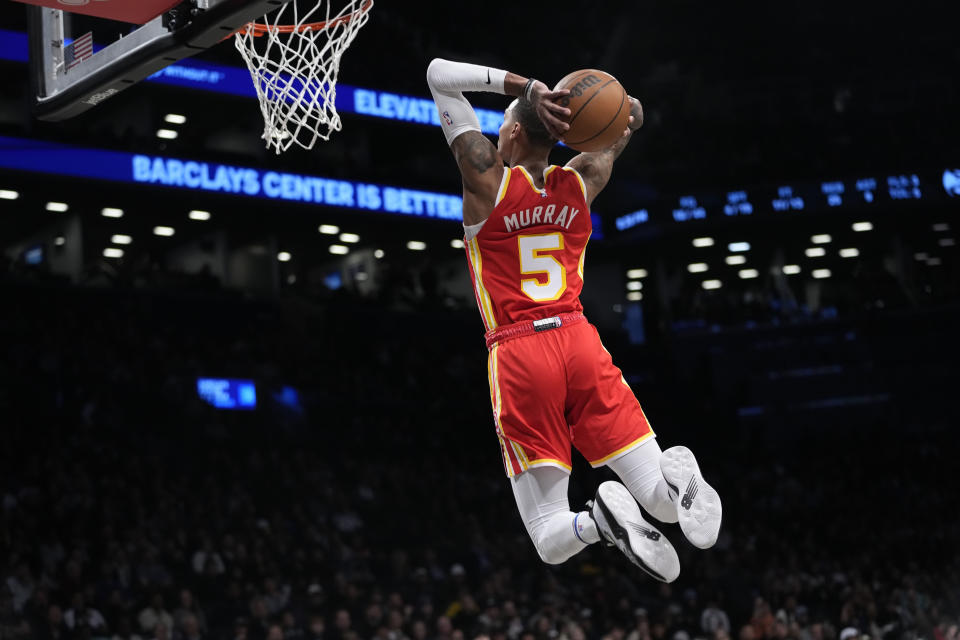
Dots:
pixel 257 406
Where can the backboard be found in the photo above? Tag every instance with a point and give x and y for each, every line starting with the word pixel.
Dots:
pixel 72 75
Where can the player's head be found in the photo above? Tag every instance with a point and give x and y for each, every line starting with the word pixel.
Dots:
pixel 522 126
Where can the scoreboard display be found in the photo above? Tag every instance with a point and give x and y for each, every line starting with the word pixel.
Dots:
pixel 859 195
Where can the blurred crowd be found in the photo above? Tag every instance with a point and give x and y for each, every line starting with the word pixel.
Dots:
pixel 378 509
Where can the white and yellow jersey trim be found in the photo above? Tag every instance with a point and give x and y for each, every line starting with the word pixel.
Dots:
pixel 583 185
pixel 483 297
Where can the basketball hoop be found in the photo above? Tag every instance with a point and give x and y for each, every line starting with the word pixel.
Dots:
pixel 294 59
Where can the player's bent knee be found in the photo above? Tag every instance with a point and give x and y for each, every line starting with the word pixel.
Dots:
pixel 551 554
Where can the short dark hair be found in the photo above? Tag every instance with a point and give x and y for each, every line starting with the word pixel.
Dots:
pixel 527 116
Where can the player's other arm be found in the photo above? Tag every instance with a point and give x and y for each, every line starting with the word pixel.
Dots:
pixel 595 167
pixel 481 166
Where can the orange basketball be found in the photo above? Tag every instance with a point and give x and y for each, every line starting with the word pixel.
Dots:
pixel 599 109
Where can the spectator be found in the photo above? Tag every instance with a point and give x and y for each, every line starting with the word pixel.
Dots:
pixel 155 614
pixel 188 607
pixel 714 618
pixel 21 585
pixel 79 618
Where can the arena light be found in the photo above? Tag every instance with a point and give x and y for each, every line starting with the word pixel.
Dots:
pixel 821 238
pixel 815 252
pixel 697 267
pixel 711 284
pixel 738 246
pixel 946 242
pixel 791 269
pixel 112 252
pixel 634 285
pixel 634 296
pixel 6 194
pixel 378 254
pixel 820 274
pixel 735 259
pixel 921 256
pixel 167 134
pixel 349 237
pixel 849 252
pixel 933 261
pixel 199 215
pixel 863 226
pixel 748 274
pixel 59 241
pixel 329 229
pixel 703 242
pixel 111 212
pixel 163 231
pixel 636 273
pixel 57 207
pixel 416 245
pixel 174 118
pixel 284 256
pixel 941 226
pixel 339 249
pixel 119 238
pixel 456 243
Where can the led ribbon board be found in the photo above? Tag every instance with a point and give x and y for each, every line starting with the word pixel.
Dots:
pixel 52 158
pixel 208 76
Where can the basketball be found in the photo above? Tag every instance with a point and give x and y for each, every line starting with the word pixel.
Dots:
pixel 599 109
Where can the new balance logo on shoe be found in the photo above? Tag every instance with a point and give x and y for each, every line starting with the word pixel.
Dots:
pixel 645 532
pixel 690 494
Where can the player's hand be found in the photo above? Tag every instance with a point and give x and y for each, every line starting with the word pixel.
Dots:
pixel 636 116
pixel 548 106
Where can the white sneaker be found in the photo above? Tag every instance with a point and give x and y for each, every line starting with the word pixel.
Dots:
pixel 619 522
pixel 698 505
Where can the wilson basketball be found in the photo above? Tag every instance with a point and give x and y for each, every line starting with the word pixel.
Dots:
pixel 599 109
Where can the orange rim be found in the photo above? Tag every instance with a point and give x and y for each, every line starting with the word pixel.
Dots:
pixel 262 29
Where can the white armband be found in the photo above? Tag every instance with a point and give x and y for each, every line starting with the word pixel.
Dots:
pixel 448 80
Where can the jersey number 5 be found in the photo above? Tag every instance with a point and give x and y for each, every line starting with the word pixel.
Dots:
pixel 533 262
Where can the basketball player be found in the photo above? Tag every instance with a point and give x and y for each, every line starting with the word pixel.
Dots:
pixel 552 383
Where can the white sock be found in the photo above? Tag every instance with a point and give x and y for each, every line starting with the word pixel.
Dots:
pixel 586 528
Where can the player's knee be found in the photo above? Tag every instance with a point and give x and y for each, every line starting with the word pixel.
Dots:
pixel 551 554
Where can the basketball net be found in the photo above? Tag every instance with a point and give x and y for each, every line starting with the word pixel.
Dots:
pixel 294 58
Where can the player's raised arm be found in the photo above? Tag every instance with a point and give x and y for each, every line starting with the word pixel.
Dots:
pixel 480 163
pixel 596 166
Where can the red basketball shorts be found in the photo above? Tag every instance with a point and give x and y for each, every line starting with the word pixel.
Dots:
pixel 558 388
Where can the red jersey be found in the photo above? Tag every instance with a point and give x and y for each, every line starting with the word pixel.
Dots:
pixel 526 262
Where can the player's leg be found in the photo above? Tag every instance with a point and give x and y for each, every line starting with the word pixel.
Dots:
pixel 556 532
pixel 639 470
pixel 526 392
pixel 671 488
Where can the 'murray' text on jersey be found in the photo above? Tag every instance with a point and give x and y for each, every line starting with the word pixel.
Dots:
pixel 541 215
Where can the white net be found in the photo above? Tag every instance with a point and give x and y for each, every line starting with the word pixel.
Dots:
pixel 294 58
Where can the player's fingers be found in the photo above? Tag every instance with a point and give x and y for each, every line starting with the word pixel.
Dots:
pixel 556 108
pixel 556 127
pixel 552 121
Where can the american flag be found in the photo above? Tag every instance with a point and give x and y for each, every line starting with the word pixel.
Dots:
pixel 78 50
